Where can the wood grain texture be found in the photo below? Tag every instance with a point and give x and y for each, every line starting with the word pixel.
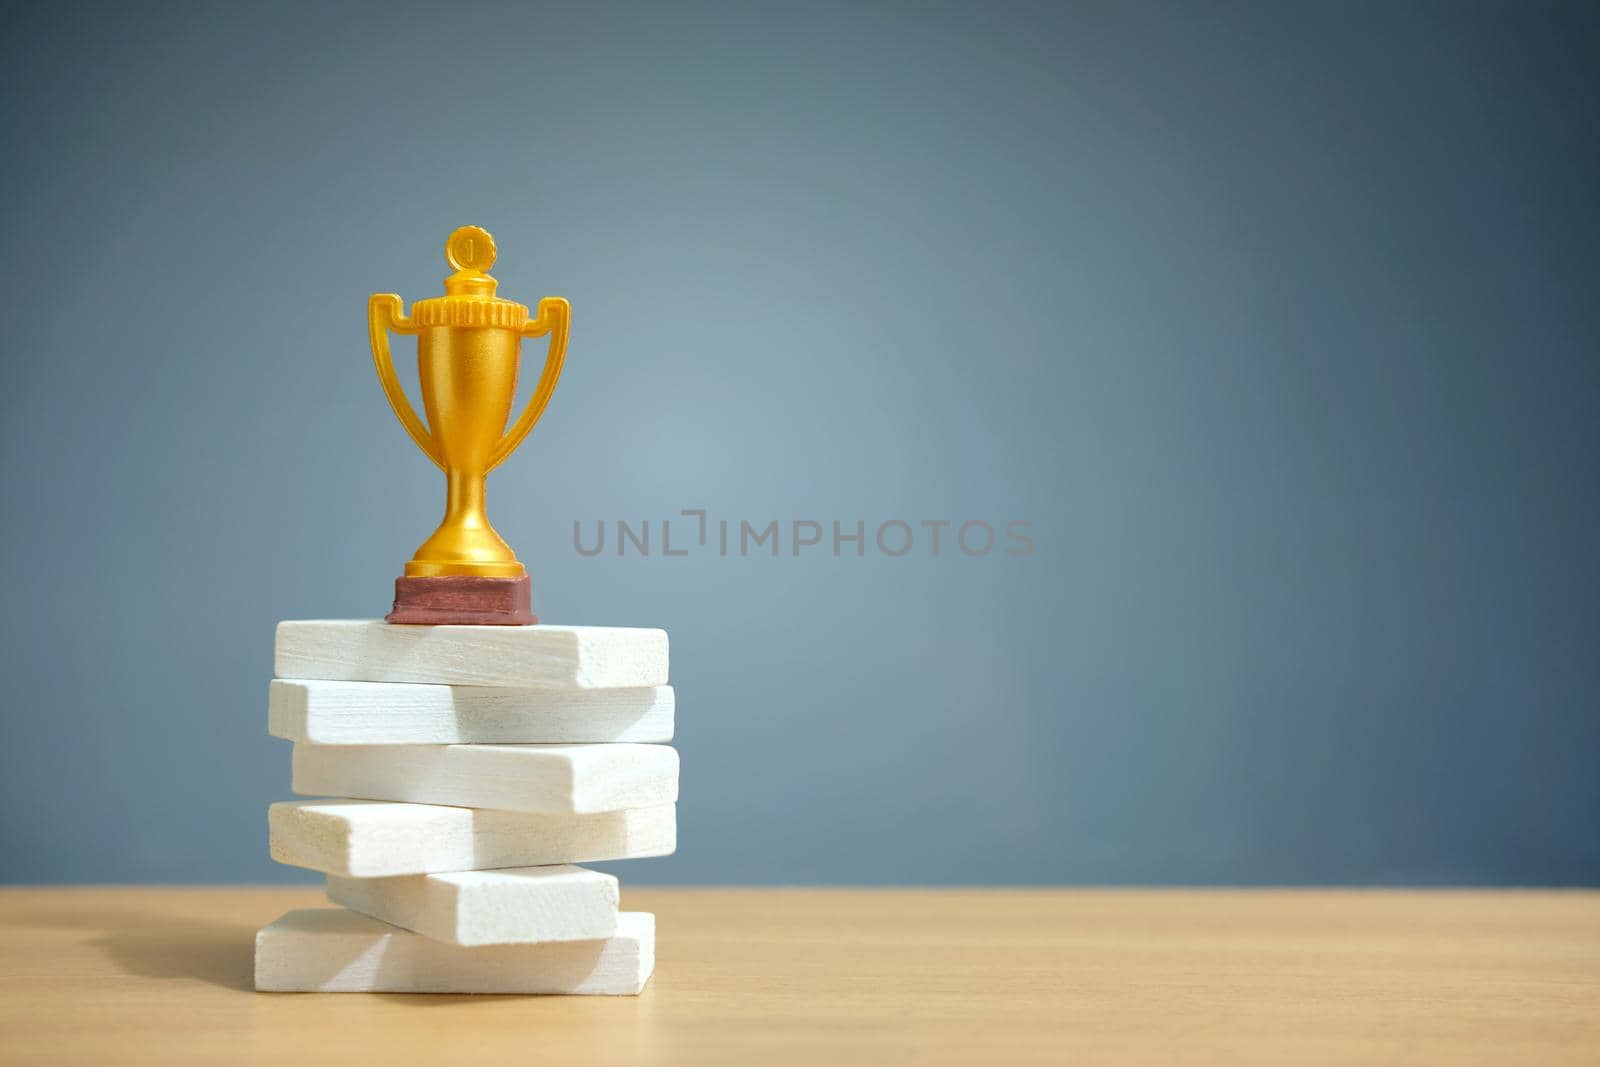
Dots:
pixel 365 839
pixel 538 657
pixel 556 779
pixel 409 713
pixel 162 976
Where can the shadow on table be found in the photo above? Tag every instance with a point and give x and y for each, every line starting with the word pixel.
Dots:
pixel 220 953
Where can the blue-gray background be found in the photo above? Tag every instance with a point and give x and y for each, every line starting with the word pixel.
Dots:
pixel 1280 323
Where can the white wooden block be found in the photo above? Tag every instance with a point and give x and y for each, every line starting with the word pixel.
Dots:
pixel 537 657
pixel 330 950
pixel 549 778
pixel 518 906
pixel 364 839
pixel 410 713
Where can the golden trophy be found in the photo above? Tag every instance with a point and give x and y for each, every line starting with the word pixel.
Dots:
pixel 469 344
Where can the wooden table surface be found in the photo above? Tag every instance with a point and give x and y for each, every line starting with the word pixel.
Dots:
pixel 828 976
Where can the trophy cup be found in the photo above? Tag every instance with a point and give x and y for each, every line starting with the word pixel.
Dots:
pixel 468 349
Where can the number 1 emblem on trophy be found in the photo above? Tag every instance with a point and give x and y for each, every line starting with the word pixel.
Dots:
pixel 469 346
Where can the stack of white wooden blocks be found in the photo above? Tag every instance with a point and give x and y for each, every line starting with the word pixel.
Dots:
pixel 475 766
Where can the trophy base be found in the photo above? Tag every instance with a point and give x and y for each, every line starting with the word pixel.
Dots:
pixel 463 600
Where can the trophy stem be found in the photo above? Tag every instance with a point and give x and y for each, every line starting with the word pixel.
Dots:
pixel 465 543
pixel 434 592
pixel 466 499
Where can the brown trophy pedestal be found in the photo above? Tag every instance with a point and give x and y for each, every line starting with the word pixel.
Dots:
pixel 463 601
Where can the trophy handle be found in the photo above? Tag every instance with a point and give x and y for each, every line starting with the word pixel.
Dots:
pixel 554 316
pixel 384 314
